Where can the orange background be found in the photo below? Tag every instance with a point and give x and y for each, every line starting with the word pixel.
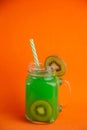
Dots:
pixel 58 28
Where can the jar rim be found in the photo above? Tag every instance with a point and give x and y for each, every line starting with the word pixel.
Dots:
pixel 39 70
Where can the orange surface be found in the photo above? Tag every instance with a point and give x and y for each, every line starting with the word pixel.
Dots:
pixel 58 28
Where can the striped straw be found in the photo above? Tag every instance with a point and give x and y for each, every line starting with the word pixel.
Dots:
pixel 34 53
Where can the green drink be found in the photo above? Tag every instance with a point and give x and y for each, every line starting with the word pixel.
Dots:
pixel 41 96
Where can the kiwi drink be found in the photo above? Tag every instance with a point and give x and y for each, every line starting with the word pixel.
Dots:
pixel 41 96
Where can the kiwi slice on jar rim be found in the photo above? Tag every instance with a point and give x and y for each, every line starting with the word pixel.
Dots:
pixel 41 110
pixel 56 64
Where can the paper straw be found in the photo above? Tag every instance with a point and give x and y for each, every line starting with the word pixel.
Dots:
pixel 34 53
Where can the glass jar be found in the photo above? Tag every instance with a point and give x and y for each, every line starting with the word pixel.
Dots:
pixel 42 95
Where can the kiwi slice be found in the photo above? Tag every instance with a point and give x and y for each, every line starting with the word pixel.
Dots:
pixel 57 65
pixel 41 110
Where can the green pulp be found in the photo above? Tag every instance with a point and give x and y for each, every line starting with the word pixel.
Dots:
pixel 42 88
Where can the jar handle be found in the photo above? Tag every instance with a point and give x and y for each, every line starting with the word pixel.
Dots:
pixel 65 83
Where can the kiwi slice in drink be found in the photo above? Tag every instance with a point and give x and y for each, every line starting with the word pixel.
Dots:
pixel 57 65
pixel 41 110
